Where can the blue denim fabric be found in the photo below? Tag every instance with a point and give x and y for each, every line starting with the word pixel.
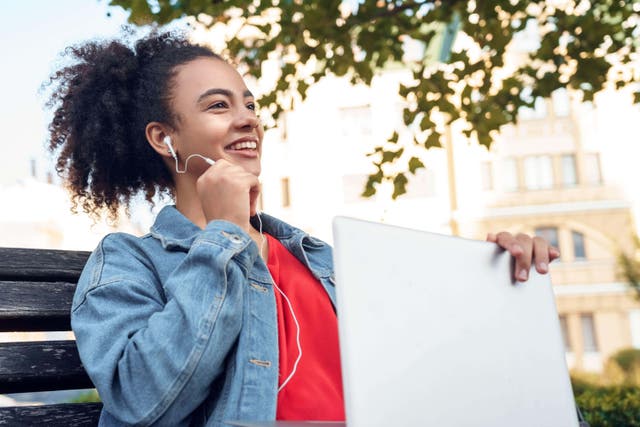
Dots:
pixel 178 327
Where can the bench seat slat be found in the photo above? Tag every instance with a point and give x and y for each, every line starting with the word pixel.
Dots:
pixel 35 306
pixel 60 415
pixel 41 366
pixel 41 264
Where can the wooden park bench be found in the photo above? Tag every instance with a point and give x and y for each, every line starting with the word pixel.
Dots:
pixel 36 289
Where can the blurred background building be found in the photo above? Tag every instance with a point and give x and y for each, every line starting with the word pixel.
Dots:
pixel 550 175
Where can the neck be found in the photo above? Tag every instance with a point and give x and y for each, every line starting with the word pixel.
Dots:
pixel 188 203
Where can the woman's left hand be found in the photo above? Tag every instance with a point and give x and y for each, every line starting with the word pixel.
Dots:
pixel 526 249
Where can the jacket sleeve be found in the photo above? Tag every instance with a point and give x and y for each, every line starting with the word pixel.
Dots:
pixel 153 360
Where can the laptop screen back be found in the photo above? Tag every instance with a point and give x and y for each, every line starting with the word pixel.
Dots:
pixel 434 332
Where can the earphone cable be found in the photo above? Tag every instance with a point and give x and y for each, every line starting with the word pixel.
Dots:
pixel 295 319
pixel 186 162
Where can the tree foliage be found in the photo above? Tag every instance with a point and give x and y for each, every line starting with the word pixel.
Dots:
pixel 581 45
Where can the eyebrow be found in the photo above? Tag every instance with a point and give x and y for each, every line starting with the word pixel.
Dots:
pixel 225 92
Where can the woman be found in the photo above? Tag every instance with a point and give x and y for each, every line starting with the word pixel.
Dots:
pixel 218 313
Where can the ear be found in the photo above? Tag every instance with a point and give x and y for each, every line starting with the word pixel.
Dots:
pixel 155 133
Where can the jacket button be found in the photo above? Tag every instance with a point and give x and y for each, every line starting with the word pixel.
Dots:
pixel 233 237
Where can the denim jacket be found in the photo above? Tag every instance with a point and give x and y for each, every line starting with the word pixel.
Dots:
pixel 178 327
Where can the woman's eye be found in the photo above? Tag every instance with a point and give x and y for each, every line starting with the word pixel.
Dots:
pixel 217 105
pixel 251 106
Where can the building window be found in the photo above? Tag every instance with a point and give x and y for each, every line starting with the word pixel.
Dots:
pixel 510 174
pixel 286 196
pixel 550 234
pixel 538 172
pixel 564 328
pixel 578 245
pixel 486 171
pixel 588 333
pixel 592 174
pixel 569 176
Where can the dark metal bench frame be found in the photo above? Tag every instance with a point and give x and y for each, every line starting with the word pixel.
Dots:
pixel 36 288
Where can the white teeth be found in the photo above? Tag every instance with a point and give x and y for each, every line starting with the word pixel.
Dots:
pixel 243 145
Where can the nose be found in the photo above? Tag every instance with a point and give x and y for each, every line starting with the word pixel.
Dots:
pixel 247 119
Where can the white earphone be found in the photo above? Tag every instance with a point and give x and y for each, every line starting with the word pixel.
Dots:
pixel 167 141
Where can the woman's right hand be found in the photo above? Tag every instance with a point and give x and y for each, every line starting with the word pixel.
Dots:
pixel 228 192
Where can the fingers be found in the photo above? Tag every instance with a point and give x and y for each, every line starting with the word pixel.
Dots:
pixel 508 242
pixel 541 254
pixel 524 258
pixel 227 191
pixel 525 250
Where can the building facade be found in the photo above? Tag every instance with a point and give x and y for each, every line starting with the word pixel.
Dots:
pixel 544 176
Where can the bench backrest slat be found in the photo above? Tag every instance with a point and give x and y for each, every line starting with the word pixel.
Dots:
pixel 37 366
pixel 61 415
pixel 41 264
pixel 35 306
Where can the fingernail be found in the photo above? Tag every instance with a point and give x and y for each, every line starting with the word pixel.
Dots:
pixel 522 275
pixel 543 267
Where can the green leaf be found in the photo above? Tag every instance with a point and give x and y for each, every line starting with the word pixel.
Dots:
pixel 372 181
pixel 408 116
pixel 415 164
pixel 399 185
pixel 377 177
pixel 433 140
pixel 369 191
pixel 394 138
pixel 391 156
pixel 426 123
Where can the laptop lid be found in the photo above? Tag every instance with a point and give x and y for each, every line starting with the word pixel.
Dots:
pixel 433 331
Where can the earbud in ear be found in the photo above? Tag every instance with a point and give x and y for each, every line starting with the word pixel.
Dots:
pixel 167 140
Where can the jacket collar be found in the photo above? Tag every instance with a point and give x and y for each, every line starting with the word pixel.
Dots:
pixel 175 231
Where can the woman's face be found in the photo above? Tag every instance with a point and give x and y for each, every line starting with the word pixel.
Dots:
pixel 216 116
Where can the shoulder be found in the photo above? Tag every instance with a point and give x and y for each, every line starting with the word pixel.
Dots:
pixel 123 250
pixel 119 257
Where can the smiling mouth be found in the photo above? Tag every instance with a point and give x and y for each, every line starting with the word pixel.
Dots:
pixel 243 145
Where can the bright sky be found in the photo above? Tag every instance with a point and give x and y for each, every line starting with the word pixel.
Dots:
pixel 32 34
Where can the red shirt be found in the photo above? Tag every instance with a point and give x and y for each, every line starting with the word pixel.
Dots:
pixel 314 392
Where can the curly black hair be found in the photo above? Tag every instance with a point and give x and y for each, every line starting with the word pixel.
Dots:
pixel 103 102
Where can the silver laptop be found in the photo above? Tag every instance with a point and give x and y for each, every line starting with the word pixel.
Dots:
pixel 434 332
